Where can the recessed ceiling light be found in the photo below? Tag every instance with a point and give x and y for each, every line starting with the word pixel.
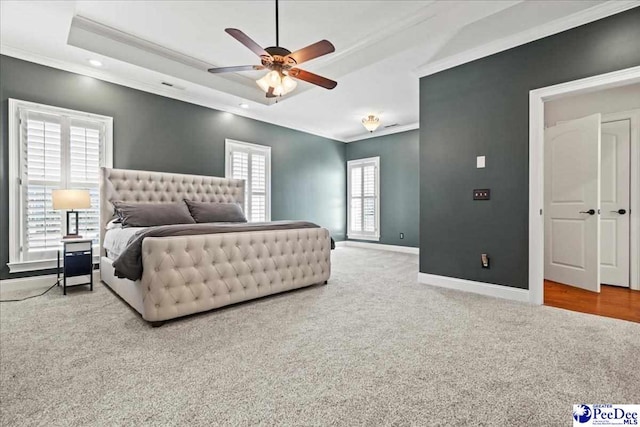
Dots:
pixel 95 63
pixel 244 105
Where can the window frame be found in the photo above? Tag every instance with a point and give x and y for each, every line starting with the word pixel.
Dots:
pixel 363 235
pixel 229 146
pixel 16 262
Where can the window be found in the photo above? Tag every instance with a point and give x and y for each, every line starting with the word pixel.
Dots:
pixel 363 183
pixel 51 148
pixel 252 163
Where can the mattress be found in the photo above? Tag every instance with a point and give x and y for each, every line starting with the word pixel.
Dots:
pixel 117 239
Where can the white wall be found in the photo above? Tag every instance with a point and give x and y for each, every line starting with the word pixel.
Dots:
pixel 613 100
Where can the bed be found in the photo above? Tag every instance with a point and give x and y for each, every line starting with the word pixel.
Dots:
pixel 187 274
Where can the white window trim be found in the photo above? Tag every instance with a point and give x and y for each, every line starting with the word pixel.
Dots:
pixel 229 146
pixel 16 264
pixel 359 235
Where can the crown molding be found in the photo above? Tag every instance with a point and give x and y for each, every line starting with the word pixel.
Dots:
pixel 380 35
pixel 177 94
pixel 595 13
pixel 107 76
pixel 110 42
pixel 384 132
pixel 554 27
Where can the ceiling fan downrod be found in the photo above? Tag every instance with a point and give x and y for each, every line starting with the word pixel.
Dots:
pixel 277 27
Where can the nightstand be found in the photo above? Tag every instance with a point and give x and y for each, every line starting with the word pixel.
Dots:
pixel 77 260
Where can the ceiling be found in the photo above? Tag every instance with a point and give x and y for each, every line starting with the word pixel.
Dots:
pixel 382 48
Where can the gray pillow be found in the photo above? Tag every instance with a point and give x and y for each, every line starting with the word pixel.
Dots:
pixel 151 214
pixel 215 212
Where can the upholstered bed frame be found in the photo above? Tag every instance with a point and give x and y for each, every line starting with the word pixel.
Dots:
pixel 183 275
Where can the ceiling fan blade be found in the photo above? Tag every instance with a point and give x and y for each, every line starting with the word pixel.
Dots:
pixel 247 41
pixel 235 69
pixel 312 78
pixel 312 51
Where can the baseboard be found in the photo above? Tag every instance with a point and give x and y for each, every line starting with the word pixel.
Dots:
pixel 488 289
pixel 380 246
pixel 35 282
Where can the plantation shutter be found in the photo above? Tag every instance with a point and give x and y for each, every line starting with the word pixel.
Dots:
pixel 369 198
pixel 41 159
pixel 356 198
pixel 258 186
pixel 363 198
pixel 240 170
pixel 252 165
pixel 57 151
pixel 85 158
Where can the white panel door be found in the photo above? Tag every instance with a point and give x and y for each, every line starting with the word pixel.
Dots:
pixel 572 201
pixel 614 198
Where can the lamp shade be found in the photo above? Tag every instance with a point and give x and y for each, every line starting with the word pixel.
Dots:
pixel 71 199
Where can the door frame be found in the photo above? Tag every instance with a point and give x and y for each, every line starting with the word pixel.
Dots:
pixel 537 98
pixel 634 202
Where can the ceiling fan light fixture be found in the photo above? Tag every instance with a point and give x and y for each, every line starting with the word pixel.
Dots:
pixel 371 123
pixel 263 83
pixel 278 91
pixel 288 84
pixel 281 84
pixel 274 78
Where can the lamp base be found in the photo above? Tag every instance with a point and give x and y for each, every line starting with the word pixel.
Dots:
pixel 75 234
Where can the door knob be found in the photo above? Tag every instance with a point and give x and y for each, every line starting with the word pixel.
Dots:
pixel 620 211
pixel 590 212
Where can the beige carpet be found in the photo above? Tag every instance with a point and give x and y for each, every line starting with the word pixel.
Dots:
pixel 371 348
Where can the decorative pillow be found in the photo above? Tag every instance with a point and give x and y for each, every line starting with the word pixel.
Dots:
pixel 151 214
pixel 215 212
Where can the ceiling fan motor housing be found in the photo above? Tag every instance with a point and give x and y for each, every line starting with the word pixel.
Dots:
pixel 278 61
pixel 277 50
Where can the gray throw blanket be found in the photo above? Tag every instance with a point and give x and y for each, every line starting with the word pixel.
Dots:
pixel 129 264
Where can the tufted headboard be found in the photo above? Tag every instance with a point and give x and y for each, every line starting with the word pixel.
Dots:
pixel 158 187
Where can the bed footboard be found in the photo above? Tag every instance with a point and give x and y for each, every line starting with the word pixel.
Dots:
pixel 190 274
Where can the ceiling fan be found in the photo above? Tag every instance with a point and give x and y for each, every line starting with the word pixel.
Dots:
pixel 282 63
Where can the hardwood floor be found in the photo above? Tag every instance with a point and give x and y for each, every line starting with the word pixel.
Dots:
pixel 612 301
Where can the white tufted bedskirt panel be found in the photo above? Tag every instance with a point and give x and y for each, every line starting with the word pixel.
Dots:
pixel 190 274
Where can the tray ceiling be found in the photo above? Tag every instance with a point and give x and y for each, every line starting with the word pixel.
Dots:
pixel 382 47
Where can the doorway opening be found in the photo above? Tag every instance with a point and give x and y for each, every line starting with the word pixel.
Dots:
pixel 584 162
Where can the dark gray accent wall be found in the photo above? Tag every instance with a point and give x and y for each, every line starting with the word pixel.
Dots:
pixel 152 132
pixel 482 108
pixel 399 184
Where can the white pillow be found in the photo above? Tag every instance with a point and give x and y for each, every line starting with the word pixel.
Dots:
pixel 114 223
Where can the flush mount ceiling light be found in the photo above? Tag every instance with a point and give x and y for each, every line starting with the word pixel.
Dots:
pixel 95 63
pixel 281 63
pixel 371 123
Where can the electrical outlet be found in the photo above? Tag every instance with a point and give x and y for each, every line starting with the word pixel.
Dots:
pixel 402 235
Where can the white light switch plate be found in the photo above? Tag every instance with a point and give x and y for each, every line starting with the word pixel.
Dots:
pixel 480 162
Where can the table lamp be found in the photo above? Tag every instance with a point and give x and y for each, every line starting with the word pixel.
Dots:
pixel 70 200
